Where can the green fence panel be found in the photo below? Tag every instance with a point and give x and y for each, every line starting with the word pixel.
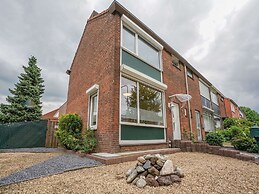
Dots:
pixel 23 134
pixel 129 132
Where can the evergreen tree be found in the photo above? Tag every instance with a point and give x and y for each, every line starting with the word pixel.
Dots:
pixel 24 104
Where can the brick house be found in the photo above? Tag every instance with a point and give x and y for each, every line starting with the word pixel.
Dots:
pixel 120 82
pixel 232 109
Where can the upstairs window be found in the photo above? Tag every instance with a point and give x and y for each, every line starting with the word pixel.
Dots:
pixel 148 52
pixel 175 62
pixel 214 98
pixel 139 46
pixel 128 39
pixel 205 95
pixel 189 73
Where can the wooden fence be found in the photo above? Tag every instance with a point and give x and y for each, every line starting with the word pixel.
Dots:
pixel 51 140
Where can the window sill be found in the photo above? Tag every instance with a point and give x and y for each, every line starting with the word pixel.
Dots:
pixel 141 142
pixel 142 125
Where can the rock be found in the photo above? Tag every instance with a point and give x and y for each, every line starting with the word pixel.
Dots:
pixel 129 171
pixel 168 168
pixel 161 157
pixel 160 162
pixel 140 169
pixel 157 167
pixel 141 159
pixel 179 172
pixel 153 160
pixel 164 180
pixel 135 180
pixel 175 179
pixel 139 164
pixel 141 183
pixel 147 164
pixel 145 173
pixel 148 156
pixel 132 176
pixel 153 171
pixel 151 181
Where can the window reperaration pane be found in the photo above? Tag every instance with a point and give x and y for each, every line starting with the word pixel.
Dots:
pixel 128 39
pixel 128 100
pixel 148 53
pixel 93 110
pixel 150 102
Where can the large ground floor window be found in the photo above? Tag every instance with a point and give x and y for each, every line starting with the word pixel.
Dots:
pixel 140 103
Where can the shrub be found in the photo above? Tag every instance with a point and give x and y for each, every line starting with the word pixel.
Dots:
pixel 89 141
pixel 243 143
pixel 69 134
pixel 226 133
pixel 228 122
pixel 215 138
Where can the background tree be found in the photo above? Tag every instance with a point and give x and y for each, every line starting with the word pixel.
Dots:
pixel 251 115
pixel 24 104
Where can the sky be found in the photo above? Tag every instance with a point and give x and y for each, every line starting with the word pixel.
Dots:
pixel 220 38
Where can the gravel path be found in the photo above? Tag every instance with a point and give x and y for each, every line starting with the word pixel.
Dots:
pixel 31 150
pixel 204 173
pixel 55 165
pixel 14 162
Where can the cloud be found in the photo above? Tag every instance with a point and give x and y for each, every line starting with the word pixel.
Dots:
pixel 221 38
pixel 232 60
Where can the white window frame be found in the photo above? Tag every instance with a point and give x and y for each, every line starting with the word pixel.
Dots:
pixel 138 109
pixel 91 92
pixel 131 26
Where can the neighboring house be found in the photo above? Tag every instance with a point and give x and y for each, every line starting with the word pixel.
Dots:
pixel 55 114
pixel 120 81
pixel 232 109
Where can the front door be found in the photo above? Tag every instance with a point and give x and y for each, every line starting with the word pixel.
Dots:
pixel 176 122
pixel 198 125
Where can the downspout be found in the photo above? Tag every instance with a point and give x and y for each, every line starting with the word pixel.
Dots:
pixel 188 102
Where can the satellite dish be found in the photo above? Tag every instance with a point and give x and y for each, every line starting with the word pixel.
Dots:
pixel 183 98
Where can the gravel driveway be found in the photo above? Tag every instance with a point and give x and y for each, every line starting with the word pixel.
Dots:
pixel 204 173
pixel 55 165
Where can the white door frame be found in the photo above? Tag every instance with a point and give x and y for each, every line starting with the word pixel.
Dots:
pixel 176 118
pixel 198 125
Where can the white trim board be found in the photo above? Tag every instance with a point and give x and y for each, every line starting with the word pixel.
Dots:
pixel 92 89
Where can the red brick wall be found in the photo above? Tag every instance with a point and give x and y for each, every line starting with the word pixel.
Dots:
pixel 222 107
pixel 194 91
pixel 229 113
pixel 97 62
pixel 174 78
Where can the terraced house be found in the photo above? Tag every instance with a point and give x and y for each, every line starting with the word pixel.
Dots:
pixel 126 83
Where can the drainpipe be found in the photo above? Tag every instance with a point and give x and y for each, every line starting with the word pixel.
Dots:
pixel 188 102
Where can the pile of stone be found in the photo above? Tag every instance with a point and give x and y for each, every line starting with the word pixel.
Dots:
pixel 154 170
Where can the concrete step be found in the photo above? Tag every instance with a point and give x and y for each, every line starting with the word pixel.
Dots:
pixel 111 158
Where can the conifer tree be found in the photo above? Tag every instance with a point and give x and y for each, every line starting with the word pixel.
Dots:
pixel 24 104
